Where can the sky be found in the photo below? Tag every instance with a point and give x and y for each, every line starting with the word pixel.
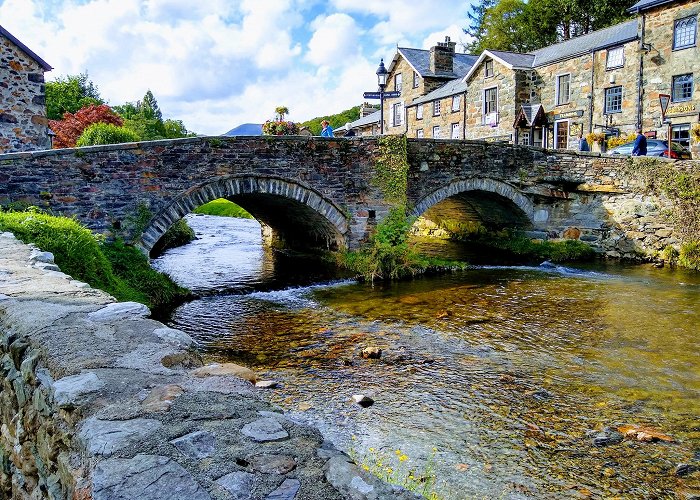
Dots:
pixel 215 64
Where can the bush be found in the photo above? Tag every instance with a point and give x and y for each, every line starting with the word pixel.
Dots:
pixel 121 271
pixel 224 208
pixel 177 235
pixel 614 142
pixel 690 255
pixel 105 133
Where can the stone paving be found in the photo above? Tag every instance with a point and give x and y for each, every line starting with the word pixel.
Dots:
pixel 99 401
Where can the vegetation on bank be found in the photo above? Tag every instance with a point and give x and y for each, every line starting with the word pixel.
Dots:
pixel 223 208
pixel 682 188
pixel 118 269
pixel 177 235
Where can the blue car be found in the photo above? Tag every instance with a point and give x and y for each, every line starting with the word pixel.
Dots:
pixel 655 147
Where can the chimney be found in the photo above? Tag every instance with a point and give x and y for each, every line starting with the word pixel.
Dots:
pixel 366 109
pixel 442 56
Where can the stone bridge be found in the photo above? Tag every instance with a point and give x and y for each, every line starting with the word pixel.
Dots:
pixel 319 192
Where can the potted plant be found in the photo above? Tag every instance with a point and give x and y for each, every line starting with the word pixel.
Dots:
pixel 279 126
pixel 695 141
pixel 596 140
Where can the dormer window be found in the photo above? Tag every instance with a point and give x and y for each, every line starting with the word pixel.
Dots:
pixel 616 58
pixel 488 68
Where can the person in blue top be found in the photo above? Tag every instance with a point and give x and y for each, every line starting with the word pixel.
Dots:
pixel 640 144
pixel 582 143
pixel 327 129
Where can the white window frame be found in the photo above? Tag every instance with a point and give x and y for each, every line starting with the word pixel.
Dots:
pixel 455 131
pixel 557 96
pixel 488 64
pixel 398 82
pixel 397 119
pixel 416 80
pixel 419 112
pixel 419 133
pixel 437 107
pixel 436 131
pixel 455 100
pixel 613 60
pixel 489 118
pixel 606 92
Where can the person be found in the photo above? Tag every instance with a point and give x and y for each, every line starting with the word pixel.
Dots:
pixel 327 129
pixel 351 133
pixel 640 144
pixel 582 143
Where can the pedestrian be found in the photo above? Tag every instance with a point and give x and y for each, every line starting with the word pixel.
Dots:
pixel 640 144
pixel 582 143
pixel 327 129
pixel 350 133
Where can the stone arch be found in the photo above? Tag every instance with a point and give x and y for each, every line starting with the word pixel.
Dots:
pixel 486 185
pixel 331 217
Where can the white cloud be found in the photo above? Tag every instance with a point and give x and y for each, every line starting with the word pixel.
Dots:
pixel 335 39
pixel 455 33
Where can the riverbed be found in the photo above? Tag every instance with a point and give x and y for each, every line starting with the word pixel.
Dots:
pixel 502 381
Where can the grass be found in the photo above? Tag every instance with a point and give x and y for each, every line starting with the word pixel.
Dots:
pixel 177 235
pixel 114 267
pixel 555 251
pixel 223 208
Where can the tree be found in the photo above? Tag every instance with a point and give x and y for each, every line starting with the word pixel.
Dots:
pixel 476 27
pixel 72 126
pixel 146 119
pixel 149 107
pixel 280 111
pixel 69 94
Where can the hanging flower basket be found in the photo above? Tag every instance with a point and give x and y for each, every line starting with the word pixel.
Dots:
pixel 280 128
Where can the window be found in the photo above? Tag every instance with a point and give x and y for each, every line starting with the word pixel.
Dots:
pixel 455 103
pixel 419 133
pixel 562 91
pixel 419 112
pixel 436 108
pixel 436 132
pixel 416 79
pixel 684 32
pixel 682 88
pixel 455 131
pixel 680 134
pixel 398 82
pixel 613 100
pixel 397 114
pixel 491 105
pixel 616 58
pixel 488 68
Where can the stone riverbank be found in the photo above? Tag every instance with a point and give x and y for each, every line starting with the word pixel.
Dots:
pixel 100 402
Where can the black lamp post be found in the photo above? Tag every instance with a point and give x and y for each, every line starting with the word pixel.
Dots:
pixel 382 74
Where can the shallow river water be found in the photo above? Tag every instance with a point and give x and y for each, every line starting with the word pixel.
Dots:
pixel 496 378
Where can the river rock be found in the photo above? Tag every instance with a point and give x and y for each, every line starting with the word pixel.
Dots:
pixel 239 484
pixel 174 336
pixel 266 384
pixel 161 398
pixel 265 429
pixel 273 464
pixel 199 444
pixel 685 469
pixel 285 491
pixel 606 437
pixel 104 437
pixel 371 353
pixel 355 483
pixel 221 369
pixel 363 400
pixel 119 311
pixel 144 477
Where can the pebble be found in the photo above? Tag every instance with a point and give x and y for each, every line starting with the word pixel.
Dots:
pixel 606 437
pixel 362 400
pixel 266 384
pixel 685 469
pixel 371 353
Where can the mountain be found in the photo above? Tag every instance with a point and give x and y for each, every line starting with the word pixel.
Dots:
pixel 246 129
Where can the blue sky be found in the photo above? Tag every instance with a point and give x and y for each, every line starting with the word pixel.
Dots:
pixel 218 63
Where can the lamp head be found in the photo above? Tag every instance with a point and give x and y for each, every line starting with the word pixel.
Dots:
pixel 382 74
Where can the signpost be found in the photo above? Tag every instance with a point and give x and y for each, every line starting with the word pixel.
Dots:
pixel 664 99
pixel 381 95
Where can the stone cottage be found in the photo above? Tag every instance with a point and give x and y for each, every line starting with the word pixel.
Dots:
pixel 23 122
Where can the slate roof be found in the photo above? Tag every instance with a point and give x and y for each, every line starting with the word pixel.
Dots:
pixel 515 59
pixel 529 112
pixel 365 120
pixel 25 49
pixel 452 87
pixel 420 60
pixel 607 37
pixel 647 4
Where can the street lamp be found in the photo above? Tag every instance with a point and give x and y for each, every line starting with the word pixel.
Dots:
pixel 382 74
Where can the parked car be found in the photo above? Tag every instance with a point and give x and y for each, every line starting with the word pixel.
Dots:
pixel 655 147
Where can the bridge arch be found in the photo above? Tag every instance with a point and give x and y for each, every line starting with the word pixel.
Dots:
pixel 275 202
pixel 476 191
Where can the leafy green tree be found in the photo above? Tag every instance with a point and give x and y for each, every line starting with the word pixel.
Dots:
pixel 280 111
pixel 69 94
pixel 146 119
pixel 105 133
pixel 337 120
pixel 149 107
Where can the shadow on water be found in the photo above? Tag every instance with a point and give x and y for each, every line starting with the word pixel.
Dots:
pixel 505 371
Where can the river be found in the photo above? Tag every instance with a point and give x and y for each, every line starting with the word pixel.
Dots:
pixel 496 379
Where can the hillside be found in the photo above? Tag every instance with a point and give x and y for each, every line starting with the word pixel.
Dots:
pixel 337 120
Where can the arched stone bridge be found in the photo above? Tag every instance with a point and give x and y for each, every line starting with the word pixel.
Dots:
pixel 318 192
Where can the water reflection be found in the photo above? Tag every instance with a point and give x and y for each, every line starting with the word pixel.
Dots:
pixel 503 370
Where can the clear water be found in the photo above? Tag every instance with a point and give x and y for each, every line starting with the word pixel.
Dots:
pixel 492 377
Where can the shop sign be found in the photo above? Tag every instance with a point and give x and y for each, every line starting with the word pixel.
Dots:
pixel 650 134
pixel 499 138
pixel 687 108
pixel 569 114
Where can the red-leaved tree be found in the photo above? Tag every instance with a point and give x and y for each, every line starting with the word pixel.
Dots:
pixel 69 129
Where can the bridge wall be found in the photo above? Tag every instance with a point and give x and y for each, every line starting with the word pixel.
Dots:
pixel 563 194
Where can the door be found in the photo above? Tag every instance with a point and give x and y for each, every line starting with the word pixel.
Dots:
pixel 561 134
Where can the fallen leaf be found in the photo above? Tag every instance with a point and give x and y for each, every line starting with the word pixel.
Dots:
pixel 644 434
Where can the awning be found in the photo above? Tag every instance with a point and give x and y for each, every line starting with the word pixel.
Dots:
pixel 530 115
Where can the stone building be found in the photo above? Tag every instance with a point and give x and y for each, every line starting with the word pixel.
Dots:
pixel 23 122
pixel 607 81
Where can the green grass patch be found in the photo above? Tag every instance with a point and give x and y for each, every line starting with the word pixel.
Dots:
pixel 223 208
pixel 116 268
pixel 523 247
pixel 689 256
pixel 177 235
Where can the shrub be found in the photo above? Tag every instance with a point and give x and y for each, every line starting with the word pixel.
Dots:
pixel 690 255
pixel 177 235
pixel 105 133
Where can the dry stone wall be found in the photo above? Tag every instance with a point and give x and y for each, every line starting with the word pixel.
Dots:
pixel 100 402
